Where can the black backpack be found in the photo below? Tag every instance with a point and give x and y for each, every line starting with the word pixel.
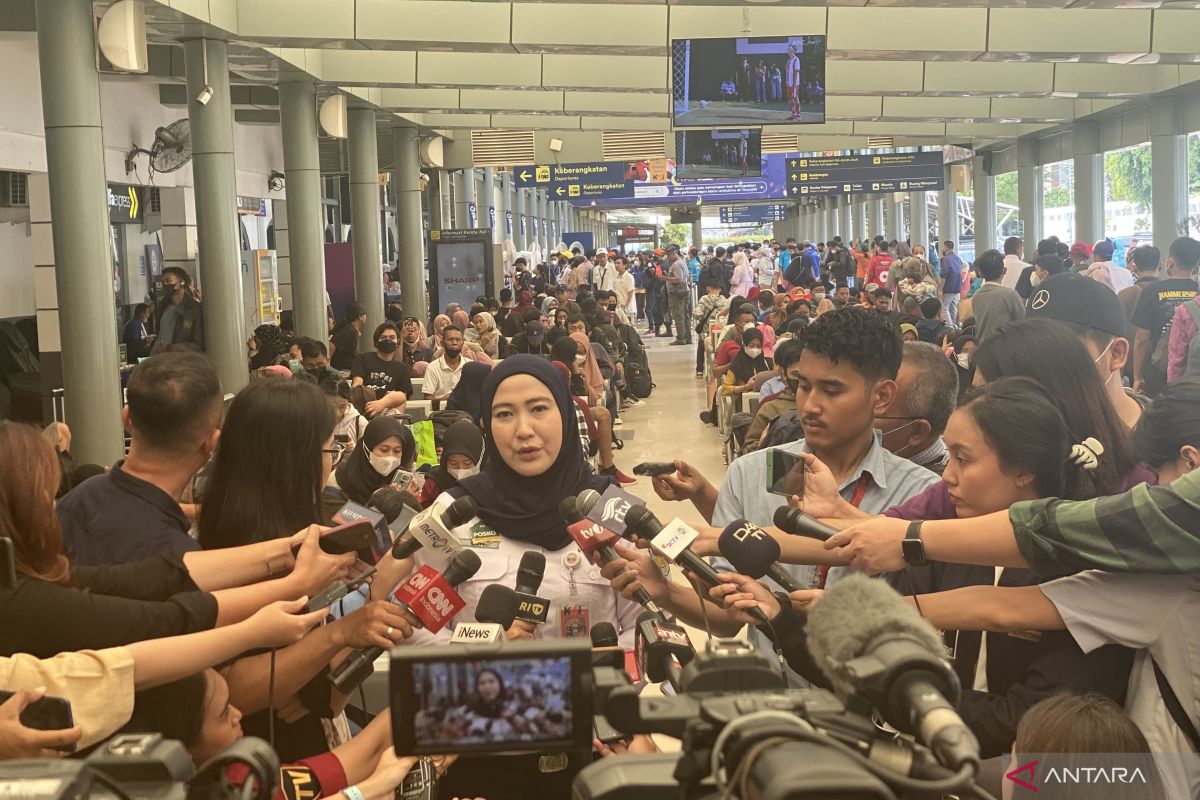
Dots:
pixel 637 375
pixel 784 429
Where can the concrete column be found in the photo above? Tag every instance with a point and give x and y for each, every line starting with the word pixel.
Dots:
pixel 698 234
pixel 488 213
pixel 504 216
pixel 861 226
pixel 918 219
pixel 831 217
pixel 1029 193
pixel 306 239
pixel 464 195
pixel 892 227
pixel 410 238
pixel 82 267
pixel 845 227
pixel 1169 173
pixel 948 212
pixel 1088 159
pixel 446 198
pixel 364 208
pixel 877 226
pixel 520 229
pixel 213 175
pixel 542 236
pixel 984 207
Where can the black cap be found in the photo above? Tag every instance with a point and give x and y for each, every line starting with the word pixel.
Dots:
pixel 534 329
pixel 1071 297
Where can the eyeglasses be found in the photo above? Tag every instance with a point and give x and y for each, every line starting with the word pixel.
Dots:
pixel 336 452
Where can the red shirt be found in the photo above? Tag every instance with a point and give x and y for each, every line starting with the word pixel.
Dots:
pixel 726 352
pixel 877 270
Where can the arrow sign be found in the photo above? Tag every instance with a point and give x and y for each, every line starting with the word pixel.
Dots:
pixel 525 175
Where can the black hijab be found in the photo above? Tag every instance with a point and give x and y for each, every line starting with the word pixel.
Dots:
pixel 744 367
pixel 465 396
pixel 526 509
pixel 462 438
pixel 356 477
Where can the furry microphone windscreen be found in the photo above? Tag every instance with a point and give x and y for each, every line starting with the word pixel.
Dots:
pixel 852 616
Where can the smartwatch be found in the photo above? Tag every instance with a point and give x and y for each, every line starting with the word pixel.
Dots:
pixel 912 547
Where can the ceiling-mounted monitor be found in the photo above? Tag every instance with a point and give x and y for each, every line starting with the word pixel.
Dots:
pixel 763 80
pixel 725 153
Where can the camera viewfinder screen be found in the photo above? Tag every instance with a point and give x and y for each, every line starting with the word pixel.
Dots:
pixel 510 702
pixel 766 80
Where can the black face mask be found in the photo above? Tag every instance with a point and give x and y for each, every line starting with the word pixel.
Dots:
pixel 453 354
pixel 793 384
pixel 168 290
pixel 386 345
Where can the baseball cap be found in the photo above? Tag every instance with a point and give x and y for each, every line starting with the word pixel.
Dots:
pixel 1081 249
pixel 1104 249
pixel 908 327
pixel 1071 297
pixel 870 287
pixel 534 331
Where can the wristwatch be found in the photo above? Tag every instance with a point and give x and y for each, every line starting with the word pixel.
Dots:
pixel 912 547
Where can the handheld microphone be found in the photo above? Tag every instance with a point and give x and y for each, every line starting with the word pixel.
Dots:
pixel 869 643
pixel 672 542
pixel 495 611
pixel 530 607
pixel 604 639
pixel 430 597
pixel 428 530
pixel 754 552
pixel 663 649
pixel 592 537
pixel 797 523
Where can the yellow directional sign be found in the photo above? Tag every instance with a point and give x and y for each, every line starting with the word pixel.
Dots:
pixel 543 174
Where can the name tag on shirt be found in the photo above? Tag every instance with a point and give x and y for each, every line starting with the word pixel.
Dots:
pixel 483 536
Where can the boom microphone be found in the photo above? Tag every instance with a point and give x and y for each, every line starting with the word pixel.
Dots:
pixel 797 523
pixel 530 607
pixel 754 552
pixel 869 643
pixel 426 594
pixel 592 537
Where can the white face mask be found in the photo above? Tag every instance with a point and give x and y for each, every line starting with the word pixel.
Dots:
pixel 459 474
pixel 580 359
pixel 964 360
pixel 753 352
pixel 1034 279
pixel 384 465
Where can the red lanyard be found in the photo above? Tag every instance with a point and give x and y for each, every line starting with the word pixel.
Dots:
pixel 860 489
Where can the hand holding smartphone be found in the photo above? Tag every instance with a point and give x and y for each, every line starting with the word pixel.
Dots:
pixel 48 721
pixel 346 538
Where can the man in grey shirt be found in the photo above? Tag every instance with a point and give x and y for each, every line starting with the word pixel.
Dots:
pixel 993 304
pixel 678 291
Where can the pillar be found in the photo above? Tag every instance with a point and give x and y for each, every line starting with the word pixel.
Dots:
pixel 519 229
pixel 445 190
pixel 845 227
pixel 306 239
pixel 219 261
pixel 948 211
pixel 984 206
pixel 831 217
pixel 464 196
pixel 918 219
pixel 877 225
pixel 697 234
pixel 1029 193
pixel 859 223
pixel 410 235
pixel 507 206
pixel 86 321
pixel 1168 171
pixel 539 215
pixel 1088 160
pixel 364 208
pixel 892 228
pixel 487 205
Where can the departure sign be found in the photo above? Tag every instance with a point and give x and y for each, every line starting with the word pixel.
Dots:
pixel 753 215
pixel 864 173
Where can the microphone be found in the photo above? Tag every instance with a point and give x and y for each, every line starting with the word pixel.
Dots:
pixel 592 537
pixel 797 523
pixel 426 594
pixel 428 530
pixel 530 607
pixel 494 612
pixel 754 552
pixel 604 639
pixel 662 649
pixel 673 542
pixel 869 643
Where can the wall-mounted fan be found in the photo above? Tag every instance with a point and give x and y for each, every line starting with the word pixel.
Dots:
pixel 172 148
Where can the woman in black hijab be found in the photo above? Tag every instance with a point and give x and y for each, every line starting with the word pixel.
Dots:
pixel 386 446
pixel 747 363
pixel 465 396
pixel 461 454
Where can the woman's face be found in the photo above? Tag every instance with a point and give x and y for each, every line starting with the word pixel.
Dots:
pixel 459 461
pixel 222 724
pixel 526 425
pixel 560 318
pixel 480 323
pixel 979 484
pixel 391 447
pixel 487 686
pixel 340 406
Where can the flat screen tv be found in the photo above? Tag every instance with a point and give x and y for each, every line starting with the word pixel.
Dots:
pixel 763 80
pixel 725 153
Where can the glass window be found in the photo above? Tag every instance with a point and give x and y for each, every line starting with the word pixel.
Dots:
pixel 1058 200
pixel 1127 198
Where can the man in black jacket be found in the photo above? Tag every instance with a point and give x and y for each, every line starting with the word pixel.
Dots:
pixel 178 319
pixel 714 273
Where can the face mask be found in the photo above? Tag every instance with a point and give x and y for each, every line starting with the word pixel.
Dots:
pixel 384 465
pixel 386 345
pixel 168 290
pixel 459 474
pixel 453 354
pixel 818 297
pixel 294 366
pixel 753 352
pixel 1096 360
pixel 580 359
pixel 964 360
pixel 1035 279
pixel 793 384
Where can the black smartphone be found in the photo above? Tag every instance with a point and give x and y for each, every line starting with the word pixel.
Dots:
pixel 654 468
pixel 347 538
pixel 46 714
pixel 785 473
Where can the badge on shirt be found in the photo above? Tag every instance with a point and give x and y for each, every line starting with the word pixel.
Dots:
pixel 299 783
pixel 187 324
pixel 574 618
pixel 484 536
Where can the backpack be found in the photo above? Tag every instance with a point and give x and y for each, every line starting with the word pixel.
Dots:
pixel 784 429
pixel 637 376
pixel 1159 356
pixel 442 420
pixel 1193 351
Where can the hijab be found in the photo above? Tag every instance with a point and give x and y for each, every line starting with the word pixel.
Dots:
pixel 524 302
pixel 439 324
pixel 463 438
pixel 465 396
pixel 489 340
pixel 462 320
pixel 744 367
pixel 357 479
pixel 590 370
pixel 526 509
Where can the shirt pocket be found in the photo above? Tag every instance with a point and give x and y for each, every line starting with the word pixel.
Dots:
pixel 493 568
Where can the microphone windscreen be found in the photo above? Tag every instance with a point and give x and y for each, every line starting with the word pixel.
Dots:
pixel 851 616
pixel 531 571
pixel 604 635
pixel 464 564
pixel 647 615
pixel 568 509
pixel 460 512
pixel 587 500
pixel 749 548
pixel 391 502
pixel 497 604
pixel 637 516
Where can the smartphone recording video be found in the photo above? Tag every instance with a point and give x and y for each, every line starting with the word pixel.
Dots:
pixel 785 474
pixel 521 697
